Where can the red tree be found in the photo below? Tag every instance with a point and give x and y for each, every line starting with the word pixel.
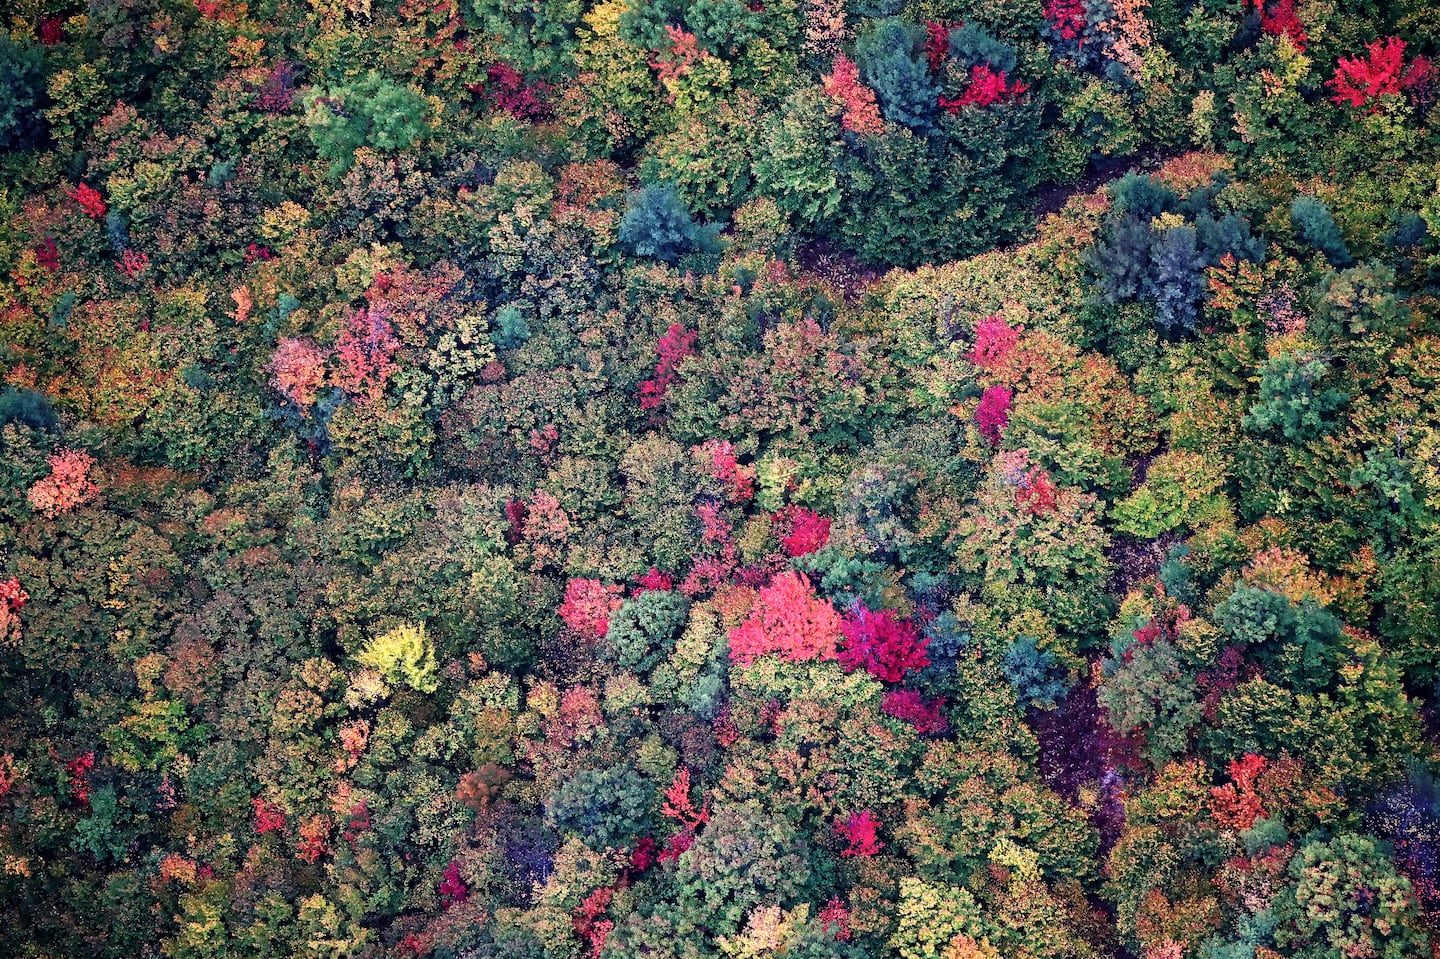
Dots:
pixel 859 112
pixel 1235 805
pixel 1066 18
pixel 807 532
pixel 268 817
pixel 986 88
pixel 995 340
pixel 907 705
pixel 90 200
pixel 68 486
pixel 860 830
pixel 366 349
pixel 673 348
pixel 1360 82
pixel 788 620
pixel 993 413
pixel 453 888
pixel 1278 19
pixel 881 645
pixel 588 605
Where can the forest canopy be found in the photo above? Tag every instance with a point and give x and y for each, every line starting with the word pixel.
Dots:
pixel 719 479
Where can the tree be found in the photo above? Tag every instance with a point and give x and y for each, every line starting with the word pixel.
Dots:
pixel 891 58
pixel 68 486
pixel 883 646
pixel 22 87
pixel 1312 220
pixel 788 620
pixel 798 157
pixel 533 37
pixel 371 111
pixel 1347 899
pixel 602 807
pixel 1294 398
pixel 744 858
pixel 656 224
pixel 405 655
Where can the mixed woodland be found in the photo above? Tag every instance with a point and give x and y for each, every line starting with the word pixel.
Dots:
pixel 719 479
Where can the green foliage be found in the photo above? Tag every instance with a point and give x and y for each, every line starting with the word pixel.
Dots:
pixel 372 111
pixel 22 86
pixel 798 158
pixel 1331 876
pixel 744 858
pixel 1313 222
pixel 602 807
pixel 531 37
pixel 1294 398
pixel 642 632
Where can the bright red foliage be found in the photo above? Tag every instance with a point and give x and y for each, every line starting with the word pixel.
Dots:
pixel 587 922
pixel 653 581
pixel 1037 492
pixel 678 805
pixel 859 113
pixel 907 705
pixel 937 43
pixel 268 818
pixel 883 646
pixel 987 87
pixel 214 10
pixel 1164 625
pixel 366 349
pixel 453 888
pixel 1359 82
pixel 12 600
pixel 993 413
pixel 1235 804
pixel 90 200
pixel 789 621
pixel 995 340
pixel 1066 18
pixel 835 918
pixel 588 605
pixel 78 769
pixel 674 346
pixel 860 832
pixel 808 530
pixel 68 486
pixel 1278 19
